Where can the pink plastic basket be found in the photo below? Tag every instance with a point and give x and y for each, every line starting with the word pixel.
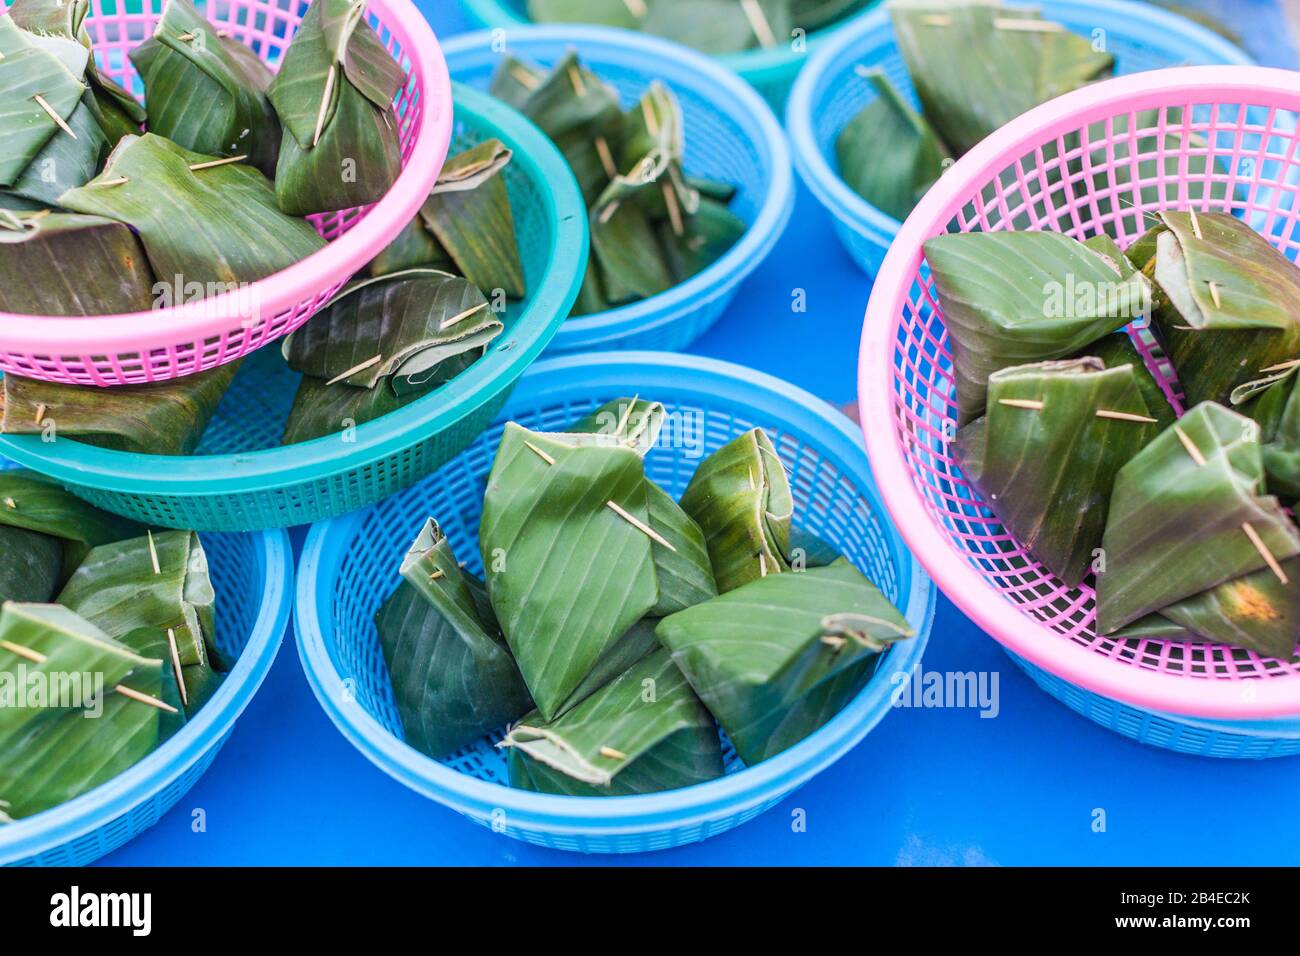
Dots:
pixel 1244 118
pixel 171 342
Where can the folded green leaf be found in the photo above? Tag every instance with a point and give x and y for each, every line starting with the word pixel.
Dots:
pixel 54 750
pixel 1258 611
pixel 154 589
pixel 414 248
pixel 1226 313
pixel 636 421
pixel 207 92
pixel 740 497
pixel 31 501
pixel 706 234
pixel 807 550
pixel 1046 454
pixel 1276 409
pixel 409 331
pixel 569 564
pixel 887 153
pixel 755 653
pixel 334 94
pixel 214 225
pixel 683 569
pixel 1015 298
pixel 31 565
pixel 1117 350
pixel 1188 514
pixel 159 418
pixel 644 732
pixel 977 65
pixel 65 264
pixel 319 409
pixel 453 677
pixel 66 161
pixel 469 213
pixel 38 95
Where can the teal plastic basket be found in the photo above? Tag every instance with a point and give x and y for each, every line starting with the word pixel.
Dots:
pixel 242 479
pixel 731 135
pixel 253 575
pixel 770 71
pixel 350 566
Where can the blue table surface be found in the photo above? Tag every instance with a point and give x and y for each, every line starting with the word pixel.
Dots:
pixel 941 786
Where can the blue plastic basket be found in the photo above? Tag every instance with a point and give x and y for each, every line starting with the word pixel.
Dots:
pixel 828 93
pixel 252 575
pixel 350 566
pixel 731 135
pixel 770 71
pixel 242 479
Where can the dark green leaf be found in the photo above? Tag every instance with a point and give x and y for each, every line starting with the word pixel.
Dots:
pixel 1276 408
pixel 27 70
pixel 453 677
pixel 31 565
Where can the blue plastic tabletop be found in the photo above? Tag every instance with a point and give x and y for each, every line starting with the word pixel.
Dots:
pixel 928 786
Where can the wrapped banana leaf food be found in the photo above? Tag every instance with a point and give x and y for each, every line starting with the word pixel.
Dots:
pixel 108 642
pixel 618 637
pixel 1145 438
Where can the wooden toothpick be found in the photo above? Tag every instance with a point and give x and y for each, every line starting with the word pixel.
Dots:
pixel 36 657
pixel 758 22
pixel 834 642
pixel 1030 403
pixel 1264 553
pixel 1030 26
pixel 523 77
pixel 607 213
pixel 624 418
pixel 10 503
pixel 40 413
pixel 354 369
pixel 640 525
pixel 576 81
pixel 1214 293
pixel 1190 446
pixel 1196 224
pixel 40 101
pixel 218 162
pixel 651 120
pixel 544 456
pixel 606 157
pixel 612 754
pixel 461 317
pixel 176 665
pixel 119 181
pixel 1124 416
pixel 674 210
pixel 436 574
pixel 153 553
pixel 144 698
pixel 324 103
pixel 1282 366
pixel 636 7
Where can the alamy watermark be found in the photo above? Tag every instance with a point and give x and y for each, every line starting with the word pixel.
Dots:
pixel 25 688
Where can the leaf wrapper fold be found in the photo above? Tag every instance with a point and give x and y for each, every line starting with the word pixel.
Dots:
pixel 644 732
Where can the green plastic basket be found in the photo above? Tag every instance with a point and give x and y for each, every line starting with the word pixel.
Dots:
pixel 243 480
pixel 770 71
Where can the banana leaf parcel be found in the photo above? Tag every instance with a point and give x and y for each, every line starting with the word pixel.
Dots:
pixel 465 226
pixel 41 92
pixel 201 221
pixel 977 65
pixel 382 343
pixel 65 264
pixel 157 418
pixel 1228 311
pixel 644 732
pixel 760 656
pixel 1276 408
pixel 205 91
pixel 78 707
pixel 888 154
pixel 566 544
pixel 1016 298
pixel 453 677
pixel 155 589
pixel 334 93
pixel 740 497
pixel 1188 516
pixel 1046 454
pixel 30 565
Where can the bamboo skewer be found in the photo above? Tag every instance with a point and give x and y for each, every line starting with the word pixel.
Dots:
pixel 576 81
pixel 218 162
pixel 1029 403
pixel 640 525
pixel 606 157
pixel 461 317
pixel 356 368
pixel 36 657
pixel 40 413
pixel 1190 446
pixel 153 553
pixel 144 698
pixel 324 104
pixel 1282 366
pixel 636 7
pixel 523 77
pixel 758 23
pixel 544 456
pixel 1033 404
pixel 1264 552
pixel 674 209
pixel 1124 416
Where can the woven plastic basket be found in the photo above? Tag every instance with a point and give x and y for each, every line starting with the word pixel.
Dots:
pixel 771 71
pixel 1193 697
pixel 350 566
pixel 242 479
pixel 828 94
pixel 253 575
pixel 731 135
pixel 171 342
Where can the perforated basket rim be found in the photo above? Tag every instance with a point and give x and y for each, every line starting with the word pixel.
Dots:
pixel 1152 690
pixel 144 331
pixel 42 832
pixel 609 816
pixel 273 468
pixel 876 30
pixel 679 67
pixel 756 66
